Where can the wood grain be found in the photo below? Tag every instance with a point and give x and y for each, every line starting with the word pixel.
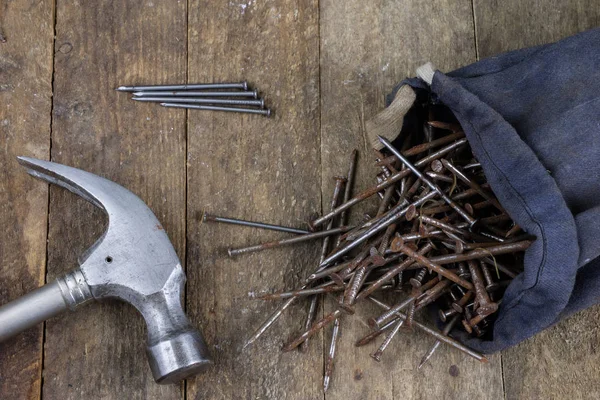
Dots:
pixel 562 361
pixel 513 24
pixel 99 352
pixel 25 104
pixel 257 168
pixel 367 48
pixel 325 68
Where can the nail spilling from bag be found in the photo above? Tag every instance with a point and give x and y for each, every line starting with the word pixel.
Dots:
pixel 439 239
pixel 228 97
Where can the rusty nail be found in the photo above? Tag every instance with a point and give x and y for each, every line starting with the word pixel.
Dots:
pixel 417 280
pixel 447 328
pixel 388 182
pixel 335 334
pixel 315 328
pixel 485 306
pixel 296 239
pixel 446 339
pixel 431 185
pixel 377 355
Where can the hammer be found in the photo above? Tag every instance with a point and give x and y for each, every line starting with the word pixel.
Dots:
pixel 133 261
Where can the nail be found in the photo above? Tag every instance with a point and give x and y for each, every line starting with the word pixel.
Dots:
pixel 375 334
pixel 283 242
pixel 465 321
pixel 426 181
pixel 410 315
pixel 395 214
pixel 310 318
pixel 312 310
pixel 463 271
pixel 391 273
pixel 328 271
pixel 330 288
pixel 266 112
pixel 339 184
pixel 472 184
pixel 446 125
pixel 385 200
pixel 390 181
pixel 439 177
pixel 445 339
pixel 269 322
pixel 459 306
pixel 445 314
pixel 206 217
pixel 417 280
pixel 377 355
pixel 335 334
pixel 516 228
pixel 490 284
pixel 316 327
pixel 437 166
pixel 447 328
pixel 444 226
pixel 421 148
pixel 349 187
pixel 375 260
pixel 257 103
pixel 475 254
pixel 392 311
pixel 433 294
pixel 399 246
pixel 250 93
pixel 191 86
pixel 485 306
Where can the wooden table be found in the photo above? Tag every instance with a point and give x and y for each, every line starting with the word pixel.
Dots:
pixel 325 68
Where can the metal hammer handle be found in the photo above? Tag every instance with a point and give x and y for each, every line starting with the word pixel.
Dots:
pixel 45 302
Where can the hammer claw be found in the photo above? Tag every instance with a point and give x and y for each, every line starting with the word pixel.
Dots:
pixel 134 261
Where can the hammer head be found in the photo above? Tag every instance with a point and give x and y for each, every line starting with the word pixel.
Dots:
pixel 134 261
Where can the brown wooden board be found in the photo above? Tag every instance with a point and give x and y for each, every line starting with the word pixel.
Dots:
pixel 252 167
pixel 99 351
pixel 25 103
pixel 324 67
pixel 366 48
pixel 562 361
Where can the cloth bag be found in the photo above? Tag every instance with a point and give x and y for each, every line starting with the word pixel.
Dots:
pixel 532 118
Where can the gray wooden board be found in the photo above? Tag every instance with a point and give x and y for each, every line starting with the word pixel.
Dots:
pixel 25 102
pixel 251 167
pixel 561 362
pixel 325 68
pixel 99 351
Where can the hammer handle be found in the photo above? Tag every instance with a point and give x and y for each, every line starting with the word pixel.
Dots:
pixel 31 309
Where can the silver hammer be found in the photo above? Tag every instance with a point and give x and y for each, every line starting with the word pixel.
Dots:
pixel 133 261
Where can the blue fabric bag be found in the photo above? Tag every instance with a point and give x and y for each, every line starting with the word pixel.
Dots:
pixel 532 117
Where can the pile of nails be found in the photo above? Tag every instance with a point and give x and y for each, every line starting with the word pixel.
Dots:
pixel 438 238
pixel 228 97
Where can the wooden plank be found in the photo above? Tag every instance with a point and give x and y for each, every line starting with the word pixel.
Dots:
pixel 562 361
pixel 366 48
pixel 99 352
pixel 509 25
pixel 255 168
pixel 26 99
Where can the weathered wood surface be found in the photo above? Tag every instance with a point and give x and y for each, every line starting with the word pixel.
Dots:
pixel 250 167
pixel 25 103
pixel 325 67
pixel 367 48
pixel 99 352
pixel 562 362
